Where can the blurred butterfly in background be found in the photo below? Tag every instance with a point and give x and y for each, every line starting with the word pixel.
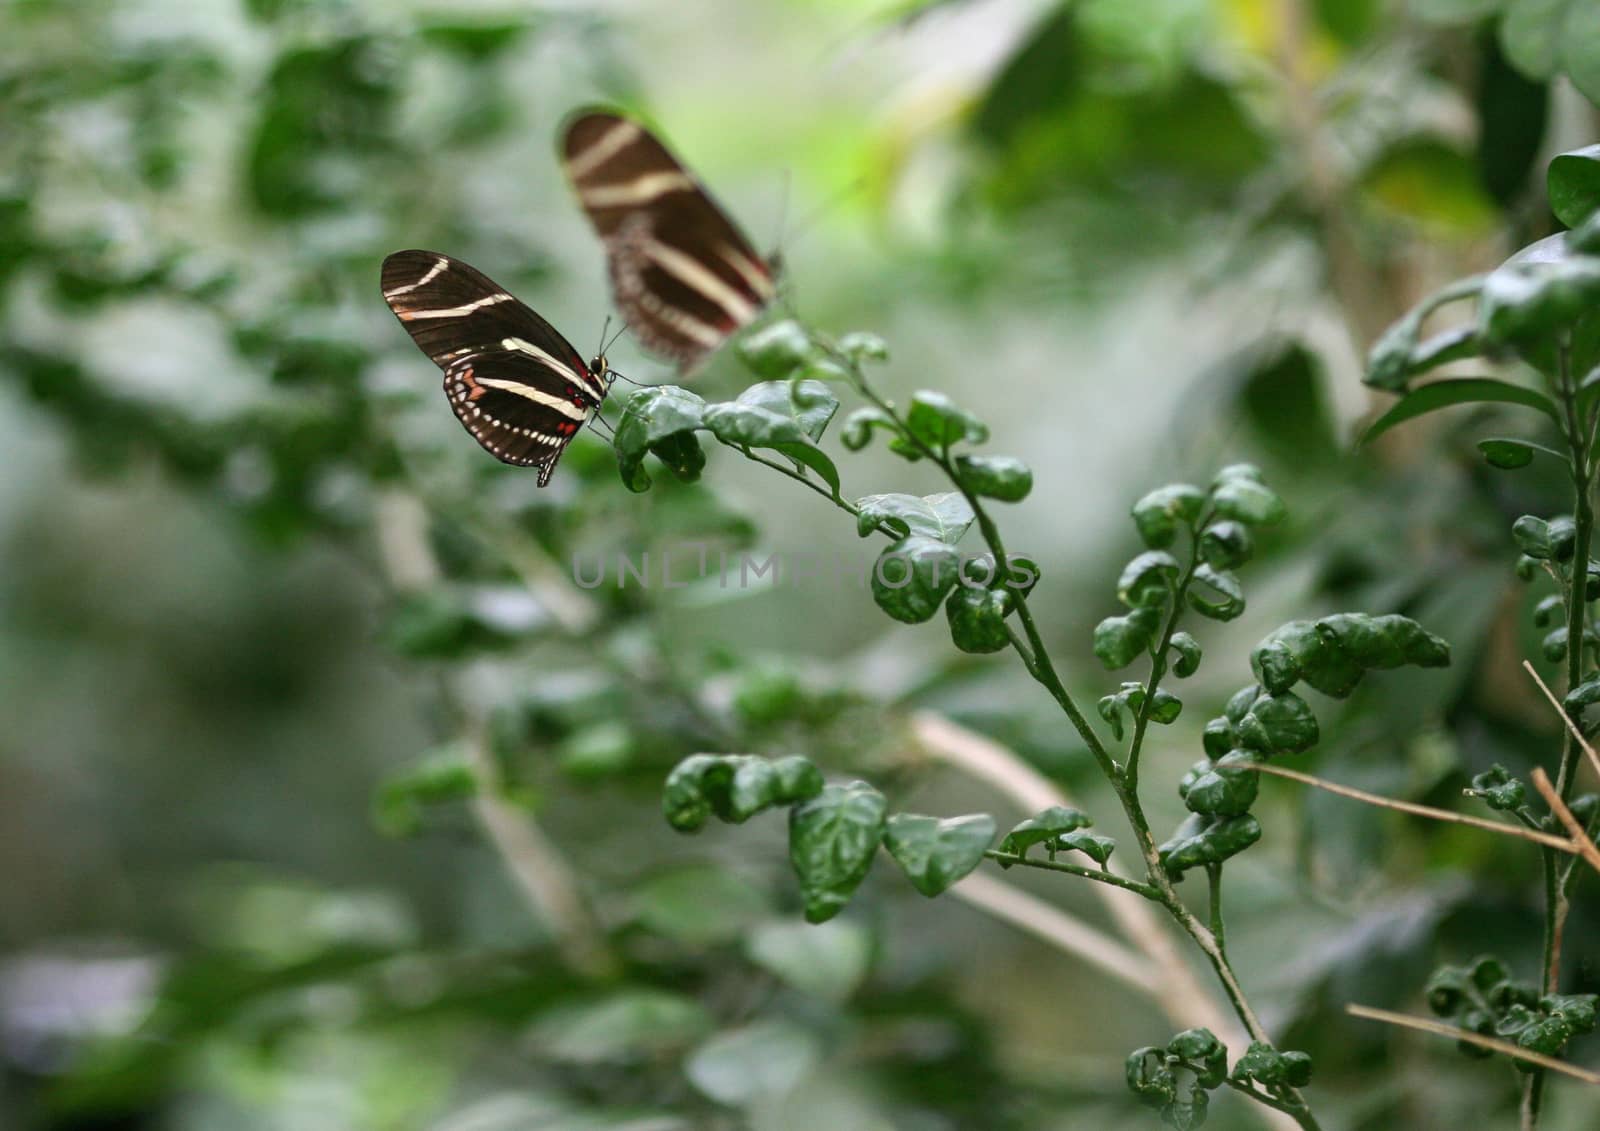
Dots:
pixel 684 278
pixel 516 384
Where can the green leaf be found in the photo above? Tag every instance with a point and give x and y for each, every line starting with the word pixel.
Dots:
pixel 821 960
pixel 1506 454
pixel 1555 540
pixel 944 517
pixel 734 787
pixel 1159 513
pixel 995 477
pixel 451 621
pixel 1045 827
pixel 1203 840
pixel 1188 650
pixel 912 577
pixel 1543 38
pixel 1148 579
pixel 1573 183
pixel 758 1063
pixel 1226 544
pixel 1542 289
pixel 660 419
pixel 1278 724
pixel 935 853
pixel 1096 847
pixel 1465 390
pixel 832 839
pixel 1430 182
pixel 978 619
pixel 621 1028
pixel 1118 641
pixel 1397 356
pixel 809 403
pixel 861 346
pixel 1498 789
pixel 1265 1065
pixel 444 776
pixel 1224 788
pixel 699 905
pixel 1247 501
pixel 936 421
pixel 1229 601
pixel 777 351
pixel 859 425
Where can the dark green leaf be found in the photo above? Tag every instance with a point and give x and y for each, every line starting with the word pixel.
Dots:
pixel 1465 390
pixel 996 477
pixel 936 421
pixel 860 346
pixel 1542 289
pixel 978 618
pixel 1229 600
pixel 1265 1065
pixel 936 853
pixel 1226 544
pixel 1225 788
pixel 399 802
pixel 1498 789
pixel 1098 848
pixel 662 419
pixel 1508 455
pixel 912 577
pixel 1159 513
pixel 1397 356
pixel 1247 501
pixel 734 787
pixel 1148 579
pixel 1202 840
pixel 1188 655
pixel 1118 641
pixel 1573 183
pixel 832 839
pixel 1045 828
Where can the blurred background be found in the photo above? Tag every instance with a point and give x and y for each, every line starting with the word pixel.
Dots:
pixel 266 612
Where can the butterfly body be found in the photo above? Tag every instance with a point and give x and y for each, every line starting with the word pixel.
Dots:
pixel 513 381
pixel 683 276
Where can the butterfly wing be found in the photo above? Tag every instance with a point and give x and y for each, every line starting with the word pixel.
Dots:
pixel 516 384
pixel 683 276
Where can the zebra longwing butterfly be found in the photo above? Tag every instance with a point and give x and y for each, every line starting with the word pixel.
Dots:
pixel 683 276
pixel 516 384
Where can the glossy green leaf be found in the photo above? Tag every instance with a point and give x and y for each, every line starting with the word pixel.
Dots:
pixel 1118 641
pixel 1573 183
pixel 660 419
pixel 859 426
pixel 1265 1065
pixel 1203 840
pixel 1188 654
pixel 1227 544
pixel 1248 501
pixel 911 579
pixel 1224 788
pixel 1096 847
pixel 995 477
pixel 1148 579
pixel 777 351
pixel 1555 540
pixel 1456 391
pixel 832 840
pixel 1278 724
pixel 1045 827
pixel 944 517
pixel 938 423
pixel 934 853
pixel 1543 38
pixel 1159 513
pixel 1541 290
pixel 1215 593
pixel 1498 789
pixel 1398 355
pixel 734 787
pixel 978 619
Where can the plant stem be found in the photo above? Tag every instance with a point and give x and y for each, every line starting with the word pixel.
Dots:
pixel 1036 658
pixel 1158 664
pixel 1214 888
pixel 1006 859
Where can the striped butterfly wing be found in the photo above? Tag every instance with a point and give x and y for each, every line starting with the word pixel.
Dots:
pixel 683 276
pixel 516 384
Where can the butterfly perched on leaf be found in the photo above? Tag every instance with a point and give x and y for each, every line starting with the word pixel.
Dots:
pixel 516 384
pixel 683 276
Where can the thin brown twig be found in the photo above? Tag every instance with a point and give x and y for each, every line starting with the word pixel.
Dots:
pixel 1425 1025
pixel 1580 837
pixel 1594 759
pixel 1549 840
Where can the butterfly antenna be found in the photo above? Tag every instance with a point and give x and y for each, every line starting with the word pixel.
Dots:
pixel 621 330
pixel 605 326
